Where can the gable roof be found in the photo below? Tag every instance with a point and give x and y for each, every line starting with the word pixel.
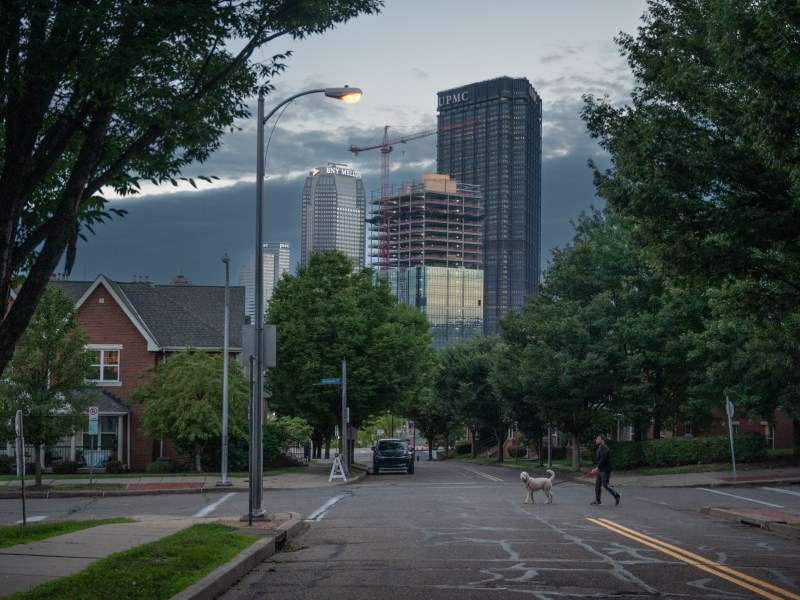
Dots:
pixel 172 317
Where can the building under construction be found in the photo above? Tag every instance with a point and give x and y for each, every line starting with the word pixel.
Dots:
pixel 428 239
pixel 435 222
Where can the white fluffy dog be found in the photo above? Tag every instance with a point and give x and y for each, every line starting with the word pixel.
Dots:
pixel 534 484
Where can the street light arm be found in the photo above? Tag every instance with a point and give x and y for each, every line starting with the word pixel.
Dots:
pixel 285 102
pixel 347 94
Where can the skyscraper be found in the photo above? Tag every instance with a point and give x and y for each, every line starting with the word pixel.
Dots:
pixel 435 233
pixel 276 263
pixel 491 135
pixel 334 205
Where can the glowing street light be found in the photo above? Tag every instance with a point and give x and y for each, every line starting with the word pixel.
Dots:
pixel 350 96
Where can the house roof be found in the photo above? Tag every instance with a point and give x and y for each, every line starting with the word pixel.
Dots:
pixel 172 317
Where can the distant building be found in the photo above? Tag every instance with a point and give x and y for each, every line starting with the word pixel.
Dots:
pixel 276 263
pixel 435 239
pixel 491 135
pixel 334 206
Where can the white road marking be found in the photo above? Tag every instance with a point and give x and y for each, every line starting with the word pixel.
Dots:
pixel 34 519
pixel 742 498
pixel 771 489
pixel 212 507
pixel 318 514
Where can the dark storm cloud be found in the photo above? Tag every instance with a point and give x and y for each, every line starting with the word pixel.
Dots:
pixel 186 233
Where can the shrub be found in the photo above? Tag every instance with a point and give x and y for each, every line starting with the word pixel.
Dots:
pixel 160 466
pixel 517 451
pixel 674 452
pixel 7 464
pixel 626 455
pixel 749 447
pixel 114 465
pixel 463 447
pixel 65 467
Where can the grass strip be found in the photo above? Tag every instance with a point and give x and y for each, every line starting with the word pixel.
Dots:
pixel 155 571
pixel 11 535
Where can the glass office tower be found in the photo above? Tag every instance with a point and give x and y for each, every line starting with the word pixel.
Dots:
pixel 435 239
pixel 334 206
pixel 275 264
pixel 490 134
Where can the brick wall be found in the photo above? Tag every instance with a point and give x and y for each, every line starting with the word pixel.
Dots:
pixel 106 323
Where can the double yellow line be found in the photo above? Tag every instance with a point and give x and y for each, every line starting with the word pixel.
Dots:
pixel 489 477
pixel 762 588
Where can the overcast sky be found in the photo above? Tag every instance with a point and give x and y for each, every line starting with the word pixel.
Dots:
pixel 400 58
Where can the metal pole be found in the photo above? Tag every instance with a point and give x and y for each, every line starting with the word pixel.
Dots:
pixel 344 445
pixel 256 428
pixel 729 411
pixel 225 344
pixel 256 435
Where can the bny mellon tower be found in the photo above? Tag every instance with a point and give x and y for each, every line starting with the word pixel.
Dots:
pixel 491 135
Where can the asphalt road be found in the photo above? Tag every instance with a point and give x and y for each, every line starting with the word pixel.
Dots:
pixel 456 530
pixel 462 531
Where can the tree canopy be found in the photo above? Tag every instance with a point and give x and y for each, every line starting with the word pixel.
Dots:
pixel 46 378
pixel 327 312
pixel 705 158
pixel 98 96
pixel 183 400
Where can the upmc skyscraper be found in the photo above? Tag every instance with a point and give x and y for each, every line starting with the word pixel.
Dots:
pixel 490 134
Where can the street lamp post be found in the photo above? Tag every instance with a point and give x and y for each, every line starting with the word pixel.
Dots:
pixel 348 95
pixel 225 344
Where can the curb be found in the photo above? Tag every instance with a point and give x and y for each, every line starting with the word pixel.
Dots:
pixel 226 576
pixel 766 523
pixel 55 493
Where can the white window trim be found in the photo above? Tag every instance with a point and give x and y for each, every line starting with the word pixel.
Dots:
pixel 104 347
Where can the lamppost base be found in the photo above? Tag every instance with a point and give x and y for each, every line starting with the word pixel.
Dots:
pixel 257 514
pixel 224 483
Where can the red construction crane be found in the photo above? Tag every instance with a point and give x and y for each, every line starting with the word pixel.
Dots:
pixel 386 149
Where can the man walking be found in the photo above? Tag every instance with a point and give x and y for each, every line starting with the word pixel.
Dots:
pixel 602 470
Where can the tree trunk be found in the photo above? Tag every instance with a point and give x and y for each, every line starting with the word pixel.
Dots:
pixel 37 460
pixel 473 449
pixel 198 449
pixel 500 434
pixel 576 452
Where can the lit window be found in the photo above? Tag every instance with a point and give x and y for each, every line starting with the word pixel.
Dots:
pixel 105 366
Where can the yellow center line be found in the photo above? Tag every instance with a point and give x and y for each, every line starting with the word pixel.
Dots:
pixel 704 564
pixel 491 477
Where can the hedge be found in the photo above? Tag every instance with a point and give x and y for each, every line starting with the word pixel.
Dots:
pixel 463 447
pixel 674 452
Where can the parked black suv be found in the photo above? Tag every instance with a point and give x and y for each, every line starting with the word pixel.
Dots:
pixel 392 455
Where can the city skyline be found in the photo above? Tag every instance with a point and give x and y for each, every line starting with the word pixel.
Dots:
pixel 173 231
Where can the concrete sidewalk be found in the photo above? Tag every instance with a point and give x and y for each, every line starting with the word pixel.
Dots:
pixel 28 565
pixel 317 474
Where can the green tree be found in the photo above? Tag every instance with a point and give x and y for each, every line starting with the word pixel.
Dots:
pixel 327 312
pixel 705 158
pixel 102 95
pixel 46 378
pixel 751 360
pixel 605 338
pixel 183 400
pixel 465 383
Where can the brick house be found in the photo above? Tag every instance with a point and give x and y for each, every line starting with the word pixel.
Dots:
pixel 132 327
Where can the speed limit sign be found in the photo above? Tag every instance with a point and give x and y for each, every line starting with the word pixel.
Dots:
pixel 93 412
